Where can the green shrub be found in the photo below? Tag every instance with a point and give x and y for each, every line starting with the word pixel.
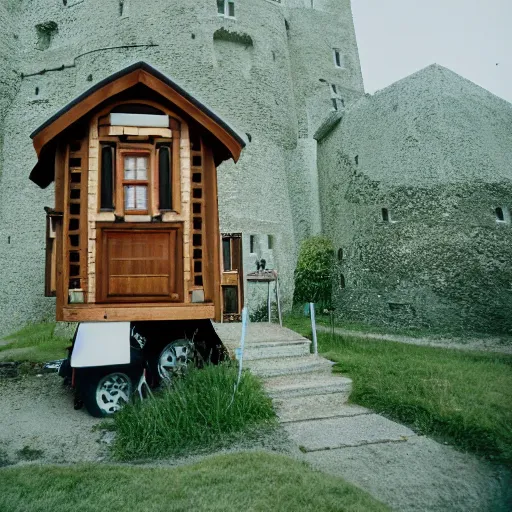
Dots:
pixel 315 271
pixel 199 412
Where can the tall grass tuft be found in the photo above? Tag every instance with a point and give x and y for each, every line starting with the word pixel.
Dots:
pixel 199 412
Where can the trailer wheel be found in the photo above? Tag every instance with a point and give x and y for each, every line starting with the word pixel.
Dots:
pixel 175 359
pixel 105 393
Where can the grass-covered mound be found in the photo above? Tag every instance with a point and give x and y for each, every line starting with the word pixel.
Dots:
pixel 461 396
pixel 201 411
pixel 246 481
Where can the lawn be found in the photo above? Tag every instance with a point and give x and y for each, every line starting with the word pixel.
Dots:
pixel 35 343
pixel 245 481
pixel 464 398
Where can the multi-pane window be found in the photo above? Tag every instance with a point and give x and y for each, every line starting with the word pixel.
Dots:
pixel 226 8
pixel 136 184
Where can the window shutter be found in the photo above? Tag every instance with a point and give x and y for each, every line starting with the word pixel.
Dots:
pixel 107 178
pixel 164 177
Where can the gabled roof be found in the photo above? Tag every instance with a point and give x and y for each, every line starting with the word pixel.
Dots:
pixel 44 137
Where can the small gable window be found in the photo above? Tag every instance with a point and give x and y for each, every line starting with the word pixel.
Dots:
pixel 385 215
pixel 226 8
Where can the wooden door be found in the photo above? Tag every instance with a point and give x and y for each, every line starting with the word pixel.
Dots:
pixel 140 265
pixel 232 277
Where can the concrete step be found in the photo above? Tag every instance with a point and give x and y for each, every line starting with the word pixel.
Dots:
pixel 269 350
pixel 333 433
pixel 288 386
pixel 315 407
pixel 289 366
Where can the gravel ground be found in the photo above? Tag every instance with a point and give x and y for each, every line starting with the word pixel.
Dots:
pixel 38 424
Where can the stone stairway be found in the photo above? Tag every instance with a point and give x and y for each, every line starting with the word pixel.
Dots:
pixel 301 384
pixel 404 470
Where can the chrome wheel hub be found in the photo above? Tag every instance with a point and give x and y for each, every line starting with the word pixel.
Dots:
pixel 174 359
pixel 113 391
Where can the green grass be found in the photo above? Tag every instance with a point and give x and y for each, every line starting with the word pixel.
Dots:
pixel 462 397
pixel 245 481
pixel 302 323
pixel 199 413
pixel 35 343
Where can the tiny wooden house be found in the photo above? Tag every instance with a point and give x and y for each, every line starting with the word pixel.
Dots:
pixel 134 232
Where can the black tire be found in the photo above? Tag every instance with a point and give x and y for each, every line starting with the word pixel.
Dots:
pixel 105 390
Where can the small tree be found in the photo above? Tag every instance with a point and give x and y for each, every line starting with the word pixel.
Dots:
pixel 315 271
pixel 313 277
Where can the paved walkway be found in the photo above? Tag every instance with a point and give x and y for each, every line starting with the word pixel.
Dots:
pixel 487 344
pixel 404 470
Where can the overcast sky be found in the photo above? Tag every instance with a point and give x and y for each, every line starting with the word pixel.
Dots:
pixel 398 37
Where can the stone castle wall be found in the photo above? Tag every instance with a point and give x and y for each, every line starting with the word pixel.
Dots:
pixel 435 151
pixel 249 70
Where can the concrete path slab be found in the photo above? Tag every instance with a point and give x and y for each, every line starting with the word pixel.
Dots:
pixel 307 384
pixel 420 475
pixel 289 365
pixel 358 430
pixel 316 407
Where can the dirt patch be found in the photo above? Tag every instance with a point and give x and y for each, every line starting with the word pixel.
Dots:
pixel 38 423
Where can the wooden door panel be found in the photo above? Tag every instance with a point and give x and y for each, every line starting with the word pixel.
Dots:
pixel 141 265
pixel 139 286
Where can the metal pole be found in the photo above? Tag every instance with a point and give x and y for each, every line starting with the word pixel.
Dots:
pixel 279 302
pixel 313 327
pixel 269 307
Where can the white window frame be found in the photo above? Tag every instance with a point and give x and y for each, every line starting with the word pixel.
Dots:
pixel 225 13
pixel 337 55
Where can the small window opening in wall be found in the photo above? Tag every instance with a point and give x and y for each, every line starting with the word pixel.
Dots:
pixel 340 254
pixel 502 214
pixel 385 215
pixel 226 8
pixel 37 91
pixel 270 242
pixel 339 59
pixel 342 281
pixel 252 244
pixel 123 7
pixel 356 159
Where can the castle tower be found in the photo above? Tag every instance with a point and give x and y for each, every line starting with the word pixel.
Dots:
pixel 326 77
pixel 257 63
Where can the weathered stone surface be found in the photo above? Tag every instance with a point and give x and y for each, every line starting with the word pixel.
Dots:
pixel 332 433
pixel 261 88
pixel 420 475
pixel 316 407
pixel 433 149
